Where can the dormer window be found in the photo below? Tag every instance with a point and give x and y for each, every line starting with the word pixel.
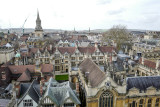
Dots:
pixel 28 103
pixel 3 76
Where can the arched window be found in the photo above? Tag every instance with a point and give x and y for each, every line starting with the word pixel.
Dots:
pixel 141 103
pixel 149 103
pixel 133 104
pixel 157 102
pixel 106 99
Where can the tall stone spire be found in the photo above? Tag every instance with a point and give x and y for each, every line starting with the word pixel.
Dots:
pixel 38 23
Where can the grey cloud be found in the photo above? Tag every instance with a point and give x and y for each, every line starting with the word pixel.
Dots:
pixel 115 12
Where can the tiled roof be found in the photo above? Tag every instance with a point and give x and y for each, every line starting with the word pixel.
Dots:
pixel 25 76
pixel 23 38
pixel 148 63
pixel 106 49
pixel 21 68
pixel 89 50
pixel 33 50
pixel 69 50
pixel 47 68
pixel 94 74
pixel 142 83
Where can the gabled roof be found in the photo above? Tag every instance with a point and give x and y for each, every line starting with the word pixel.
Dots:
pixel 148 63
pixel 69 50
pixel 47 68
pixel 142 83
pixel 21 68
pixel 25 76
pixel 89 50
pixel 32 92
pixel 60 92
pixel 106 49
pixel 18 69
pixel 33 50
pixel 94 74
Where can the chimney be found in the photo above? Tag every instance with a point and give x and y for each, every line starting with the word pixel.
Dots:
pixel 157 64
pixel 50 46
pixel 41 84
pixel 77 88
pixel 96 45
pixel 76 46
pixel 142 60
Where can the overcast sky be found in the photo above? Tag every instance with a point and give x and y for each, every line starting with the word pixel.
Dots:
pixel 81 14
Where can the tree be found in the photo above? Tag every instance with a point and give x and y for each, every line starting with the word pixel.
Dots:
pixel 119 35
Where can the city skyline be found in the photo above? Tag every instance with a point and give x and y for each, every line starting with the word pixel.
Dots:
pixel 80 14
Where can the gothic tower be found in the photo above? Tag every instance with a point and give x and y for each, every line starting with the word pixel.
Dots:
pixel 38 28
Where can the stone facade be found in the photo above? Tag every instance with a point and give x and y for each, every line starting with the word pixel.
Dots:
pixel 6 54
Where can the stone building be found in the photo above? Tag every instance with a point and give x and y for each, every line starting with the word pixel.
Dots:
pixel 99 89
pixel 46 94
pixel 37 38
pixel 6 53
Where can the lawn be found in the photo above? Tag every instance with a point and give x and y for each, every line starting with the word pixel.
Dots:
pixel 61 77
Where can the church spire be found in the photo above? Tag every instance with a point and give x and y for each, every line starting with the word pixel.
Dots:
pixel 38 23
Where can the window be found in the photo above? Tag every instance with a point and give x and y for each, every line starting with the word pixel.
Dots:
pixel 149 103
pixel 73 64
pixel 93 58
pixel 96 53
pixel 56 61
pixel 73 58
pixel 106 99
pixel 157 102
pixel 3 76
pixel 133 104
pixel 48 105
pixel 69 105
pixel 27 103
pixel 141 103
pixel 57 68
pixel 80 58
pixel 101 57
pixel 57 55
pixel 101 62
pixel 66 61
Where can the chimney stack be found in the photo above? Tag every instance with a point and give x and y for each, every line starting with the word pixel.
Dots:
pixel 157 64
pixel 142 60
pixel 41 84
pixel 77 88
pixel 50 46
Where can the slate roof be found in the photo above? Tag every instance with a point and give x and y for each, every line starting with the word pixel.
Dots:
pixel 142 83
pixel 60 92
pixel 4 102
pixel 95 74
pixel 32 91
